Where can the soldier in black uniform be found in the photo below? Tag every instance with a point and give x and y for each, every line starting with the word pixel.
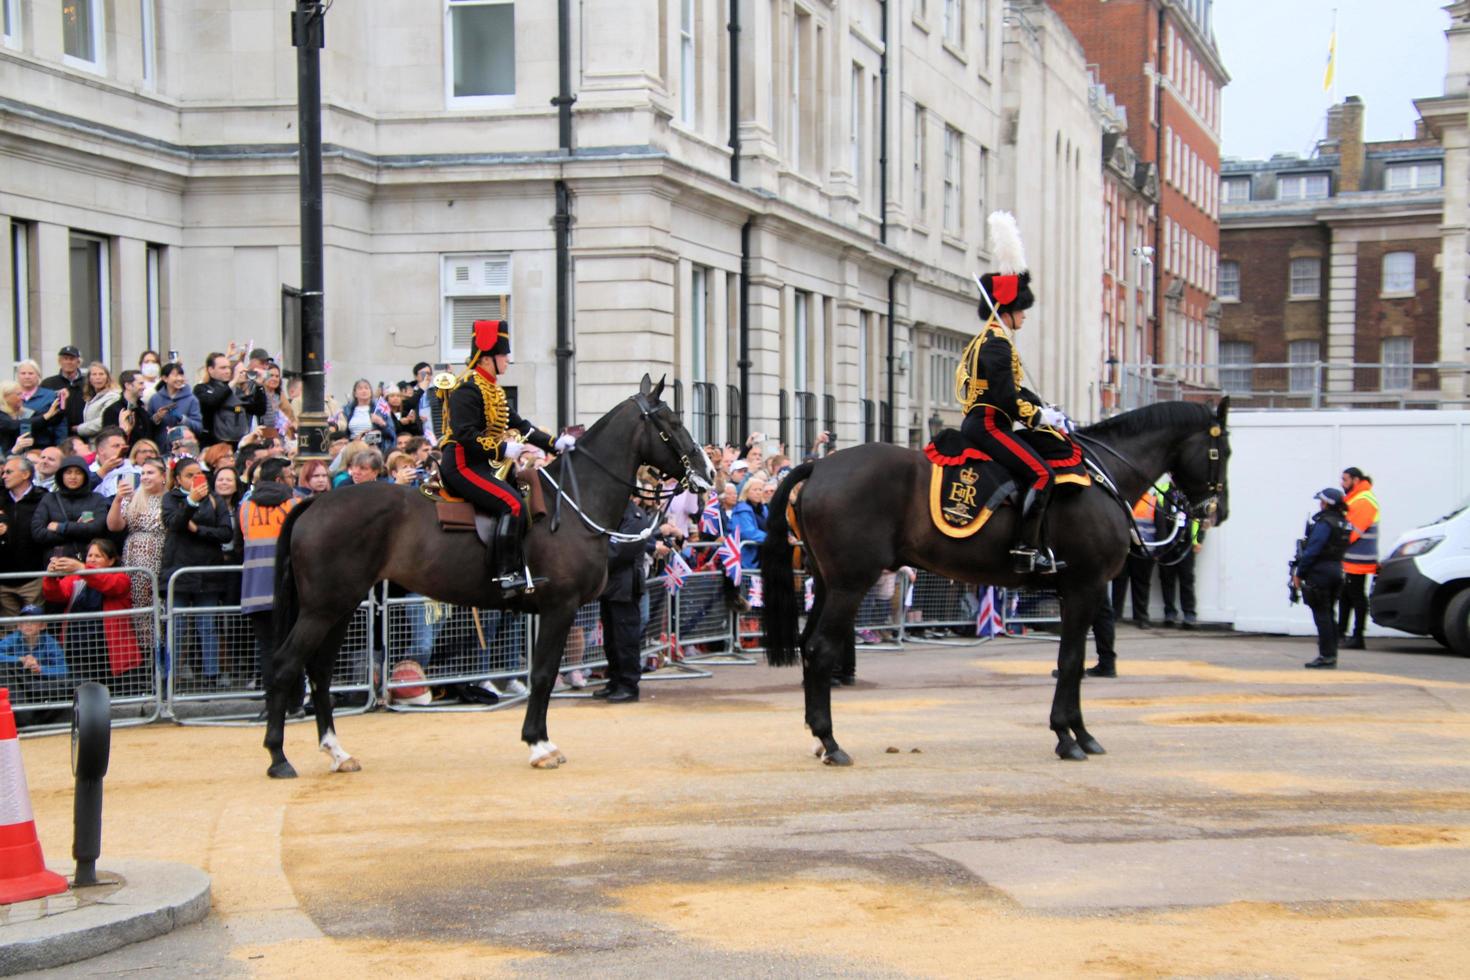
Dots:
pixel 477 420
pixel 989 386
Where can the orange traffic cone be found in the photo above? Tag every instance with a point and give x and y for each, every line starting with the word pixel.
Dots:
pixel 23 873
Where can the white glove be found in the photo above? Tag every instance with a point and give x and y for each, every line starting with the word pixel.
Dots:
pixel 564 442
pixel 1056 418
pixel 512 450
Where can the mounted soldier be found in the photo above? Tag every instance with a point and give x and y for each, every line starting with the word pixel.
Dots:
pixel 990 385
pixel 483 436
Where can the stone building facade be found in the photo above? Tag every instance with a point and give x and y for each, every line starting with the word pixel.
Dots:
pixel 1159 60
pixel 1333 260
pixel 150 196
pixel 1447 119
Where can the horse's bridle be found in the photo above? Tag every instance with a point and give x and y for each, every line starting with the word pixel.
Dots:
pixel 651 413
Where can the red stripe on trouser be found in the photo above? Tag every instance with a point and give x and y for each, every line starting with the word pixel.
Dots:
pixel 500 493
pixel 1043 475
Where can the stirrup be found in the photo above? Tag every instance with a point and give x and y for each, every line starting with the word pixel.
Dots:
pixel 1040 561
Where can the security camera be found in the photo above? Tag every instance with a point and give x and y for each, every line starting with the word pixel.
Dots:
pixel 1146 251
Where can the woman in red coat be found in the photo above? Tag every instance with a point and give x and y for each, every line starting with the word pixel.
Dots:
pixel 95 592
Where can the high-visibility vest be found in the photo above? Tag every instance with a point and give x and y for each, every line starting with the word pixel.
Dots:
pixel 261 526
pixel 1361 557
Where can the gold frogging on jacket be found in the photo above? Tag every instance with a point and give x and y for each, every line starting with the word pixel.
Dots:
pixel 968 389
pixel 497 410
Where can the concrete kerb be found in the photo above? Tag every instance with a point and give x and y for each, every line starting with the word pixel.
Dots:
pixel 155 898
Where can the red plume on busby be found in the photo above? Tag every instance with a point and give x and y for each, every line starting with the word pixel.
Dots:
pixel 1009 285
pixel 491 337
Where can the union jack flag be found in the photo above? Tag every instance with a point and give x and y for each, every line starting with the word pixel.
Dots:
pixel 674 573
pixel 709 520
pixel 989 621
pixel 729 555
pixel 757 594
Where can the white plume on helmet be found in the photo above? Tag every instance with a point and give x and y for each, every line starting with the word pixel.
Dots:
pixel 1005 244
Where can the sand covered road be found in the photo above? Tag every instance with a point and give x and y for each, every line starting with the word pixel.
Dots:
pixel 1250 818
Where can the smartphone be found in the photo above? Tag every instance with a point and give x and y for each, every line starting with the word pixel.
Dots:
pixel 267 433
pixel 173 355
pixel 200 480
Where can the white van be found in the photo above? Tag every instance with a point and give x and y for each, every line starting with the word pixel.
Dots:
pixel 1423 586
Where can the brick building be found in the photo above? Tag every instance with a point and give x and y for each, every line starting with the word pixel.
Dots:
pixel 1130 203
pixel 1332 261
pixel 1159 60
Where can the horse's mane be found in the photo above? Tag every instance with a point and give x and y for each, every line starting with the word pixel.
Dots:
pixel 1150 418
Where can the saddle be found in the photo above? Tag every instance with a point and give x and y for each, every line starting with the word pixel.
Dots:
pixel 966 486
pixel 457 514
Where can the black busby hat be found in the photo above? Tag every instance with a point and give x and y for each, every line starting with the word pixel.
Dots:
pixel 491 337
pixel 1009 286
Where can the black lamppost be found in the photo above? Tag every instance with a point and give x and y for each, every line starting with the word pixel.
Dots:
pixel 308 36
pixel 935 424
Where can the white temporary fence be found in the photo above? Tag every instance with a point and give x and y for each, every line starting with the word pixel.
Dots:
pixel 44 657
pixel 213 663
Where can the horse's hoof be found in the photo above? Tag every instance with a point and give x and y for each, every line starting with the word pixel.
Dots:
pixel 545 762
pixel 348 764
pixel 1092 746
pixel 281 770
pixel 818 749
pixel 1071 753
pixel 837 757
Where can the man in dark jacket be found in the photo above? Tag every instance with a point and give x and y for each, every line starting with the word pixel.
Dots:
pixel 69 378
pixel 18 551
pixel 1319 572
pixel 225 406
pixel 622 623
pixel 72 516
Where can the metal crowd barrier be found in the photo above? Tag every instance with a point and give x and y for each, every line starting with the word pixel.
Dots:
pixel 452 645
pixel 44 657
pixel 880 618
pixel 703 616
pixel 939 610
pixel 1026 609
pixel 584 649
pixel 659 639
pixel 212 661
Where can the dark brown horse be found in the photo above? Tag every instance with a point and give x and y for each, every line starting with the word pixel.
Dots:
pixel 333 549
pixel 866 509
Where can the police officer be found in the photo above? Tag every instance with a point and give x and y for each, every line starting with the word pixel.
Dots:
pixel 478 420
pixel 1319 571
pixel 989 385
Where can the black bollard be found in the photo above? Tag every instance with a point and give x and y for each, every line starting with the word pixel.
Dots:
pixel 91 746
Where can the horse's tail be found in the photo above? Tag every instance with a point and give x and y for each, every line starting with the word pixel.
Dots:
pixel 285 603
pixel 778 578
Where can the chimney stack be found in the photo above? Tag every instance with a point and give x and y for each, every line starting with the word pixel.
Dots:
pixel 1345 128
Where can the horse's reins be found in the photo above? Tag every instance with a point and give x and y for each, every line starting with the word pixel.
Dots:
pixel 1213 485
pixel 648 413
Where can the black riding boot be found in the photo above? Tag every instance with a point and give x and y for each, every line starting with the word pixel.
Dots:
pixel 508 564
pixel 1029 555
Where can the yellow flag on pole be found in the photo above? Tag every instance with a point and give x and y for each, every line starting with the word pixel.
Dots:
pixel 1331 62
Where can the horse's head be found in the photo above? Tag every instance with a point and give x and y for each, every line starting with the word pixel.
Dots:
pixel 1200 468
pixel 665 444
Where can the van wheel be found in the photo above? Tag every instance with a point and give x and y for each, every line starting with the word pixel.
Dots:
pixel 1457 623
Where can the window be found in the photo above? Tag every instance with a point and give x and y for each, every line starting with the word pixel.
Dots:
pixel 699 324
pixel 982 28
pixel 81 33
pixel 481 41
pixel 150 42
pixel 10 25
pixel 91 298
pixel 921 175
pixel 1306 279
pixel 855 128
pixel 1168 154
pixel 1302 379
pixel 154 273
pixel 1412 176
pixel 1236 352
pixel 800 338
pixel 954 23
pixel 475 287
pixel 687 87
pixel 1229 282
pixel 1301 187
pixel 982 178
pixel 953 181
pixel 20 289
pixel 1398 274
pixel 795 85
pixel 1398 356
